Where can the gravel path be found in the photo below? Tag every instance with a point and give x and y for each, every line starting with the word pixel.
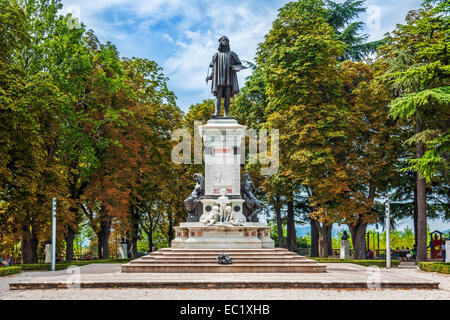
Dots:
pixel 229 294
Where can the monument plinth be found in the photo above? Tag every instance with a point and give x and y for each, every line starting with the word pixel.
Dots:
pixel 222 208
pixel 222 224
pixel 222 154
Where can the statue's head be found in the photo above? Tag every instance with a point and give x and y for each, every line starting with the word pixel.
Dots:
pixel 223 192
pixel 198 178
pixel 224 44
pixel 246 176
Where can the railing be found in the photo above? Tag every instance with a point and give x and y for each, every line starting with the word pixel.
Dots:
pixel 378 254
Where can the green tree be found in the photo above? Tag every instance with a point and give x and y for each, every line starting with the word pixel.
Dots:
pixel 340 16
pixel 416 62
pixel 301 84
pixel 31 163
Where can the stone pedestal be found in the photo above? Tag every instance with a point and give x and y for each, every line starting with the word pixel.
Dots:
pixel 222 154
pixel 196 235
pixel 48 253
pixel 123 251
pixel 344 250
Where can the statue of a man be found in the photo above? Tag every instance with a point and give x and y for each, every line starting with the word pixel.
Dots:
pixel 251 205
pixel 192 204
pixel 225 64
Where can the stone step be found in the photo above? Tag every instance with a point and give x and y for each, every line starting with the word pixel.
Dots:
pixel 205 260
pixel 237 254
pixel 407 265
pixel 211 268
pixel 235 261
pixel 218 250
pixel 287 253
pixel 213 256
pixel 232 255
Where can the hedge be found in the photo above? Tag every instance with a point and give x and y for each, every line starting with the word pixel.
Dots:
pixel 366 263
pixel 6 271
pixel 66 264
pixel 441 267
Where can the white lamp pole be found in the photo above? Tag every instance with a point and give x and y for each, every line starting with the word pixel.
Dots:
pixel 53 234
pixel 388 233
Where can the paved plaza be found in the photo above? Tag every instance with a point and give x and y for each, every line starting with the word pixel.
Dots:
pixel 106 276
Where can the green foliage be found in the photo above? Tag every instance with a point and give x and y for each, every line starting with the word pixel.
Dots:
pixel 249 106
pixel 6 271
pixel 304 242
pixel 416 60
pixel 65 265
pixel 440 267
pixel 78 123
pixel 341 17
pixel 365 263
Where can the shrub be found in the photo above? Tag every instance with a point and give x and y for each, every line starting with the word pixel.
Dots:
pixel 366 263
pixel 66 264
pixel 441 267
pixel 6 271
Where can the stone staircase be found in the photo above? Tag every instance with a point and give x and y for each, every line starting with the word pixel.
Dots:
pixel 204 260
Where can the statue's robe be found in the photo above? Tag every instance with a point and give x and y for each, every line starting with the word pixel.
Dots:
pixel 223 74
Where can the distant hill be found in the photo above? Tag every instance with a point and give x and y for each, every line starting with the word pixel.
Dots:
pixel 305 230
pixel 302 231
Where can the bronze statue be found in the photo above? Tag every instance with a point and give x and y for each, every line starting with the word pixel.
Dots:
pixel 192 203
pixel 251 205
pixel 344 236
pixel 225 64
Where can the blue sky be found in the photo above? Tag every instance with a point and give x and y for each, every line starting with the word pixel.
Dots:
pixel 181 35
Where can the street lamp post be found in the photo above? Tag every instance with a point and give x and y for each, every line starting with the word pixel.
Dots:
pixel 388 233
pixel 53 234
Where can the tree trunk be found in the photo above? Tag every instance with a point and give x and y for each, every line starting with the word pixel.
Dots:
pixel 150 240
pixel 149 232
pixel 134 221
pixel 291 233
pixel 415 215
pixel 314 240
pixel 170 229
pixel 330 242
pixel 324 240
pixel 69 243
pixel 103 238
pixel 105 226
pixel 358 233
pixel 100 244
pixel 134 251
pixel 29 245
pixel 279 222
pixel 421 203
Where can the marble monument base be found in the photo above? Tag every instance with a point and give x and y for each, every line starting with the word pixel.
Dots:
pixel 196 235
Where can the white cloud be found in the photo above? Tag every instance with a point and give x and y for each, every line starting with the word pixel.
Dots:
pixel 244 26
pixel 181 35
